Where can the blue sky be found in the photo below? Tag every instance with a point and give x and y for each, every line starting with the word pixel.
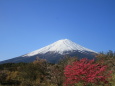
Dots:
pixel 27 25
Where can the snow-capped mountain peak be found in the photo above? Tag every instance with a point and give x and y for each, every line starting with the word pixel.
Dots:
pixel 60 47
pixel 54 52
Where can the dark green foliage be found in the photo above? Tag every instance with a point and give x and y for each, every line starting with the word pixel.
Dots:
pixel 11 66
pixel 108 59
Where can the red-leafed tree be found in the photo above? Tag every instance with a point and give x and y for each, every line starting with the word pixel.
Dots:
pixel 87 72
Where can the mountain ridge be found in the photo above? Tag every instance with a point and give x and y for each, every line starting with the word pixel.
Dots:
pixel 60 46
pixel 54 52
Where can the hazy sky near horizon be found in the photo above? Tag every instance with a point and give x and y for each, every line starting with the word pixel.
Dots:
pixel 27 25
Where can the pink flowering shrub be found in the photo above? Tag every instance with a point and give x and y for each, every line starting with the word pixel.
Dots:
pixel 87 72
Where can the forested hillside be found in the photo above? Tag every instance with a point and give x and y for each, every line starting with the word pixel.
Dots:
pixel 42 73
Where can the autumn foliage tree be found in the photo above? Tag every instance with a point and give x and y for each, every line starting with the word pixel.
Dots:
pixel 87 72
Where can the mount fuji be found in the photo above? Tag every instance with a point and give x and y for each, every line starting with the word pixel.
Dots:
pixel 54 52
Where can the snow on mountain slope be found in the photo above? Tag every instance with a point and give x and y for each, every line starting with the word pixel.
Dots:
pixel 60 47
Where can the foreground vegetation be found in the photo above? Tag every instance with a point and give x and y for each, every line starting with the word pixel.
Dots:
pixel 42 73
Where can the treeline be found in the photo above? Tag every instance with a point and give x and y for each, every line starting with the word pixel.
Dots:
pixel 42 73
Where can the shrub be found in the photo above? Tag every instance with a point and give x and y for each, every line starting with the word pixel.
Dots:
pixel 86 72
